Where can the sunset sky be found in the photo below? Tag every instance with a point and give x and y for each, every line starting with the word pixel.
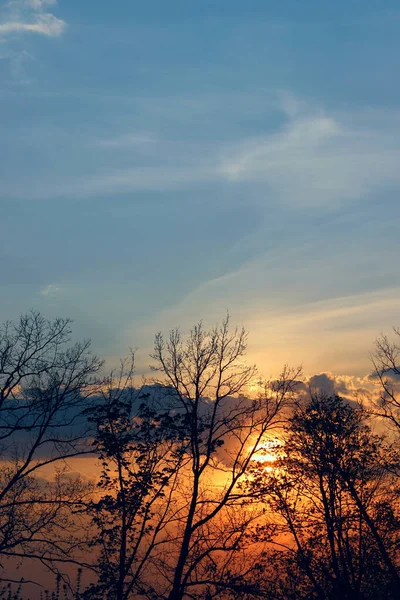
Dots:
pixel 164 161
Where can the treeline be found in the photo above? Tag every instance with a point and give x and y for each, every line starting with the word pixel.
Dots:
pixel 204 491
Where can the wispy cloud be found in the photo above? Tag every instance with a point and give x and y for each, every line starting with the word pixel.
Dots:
pixel 51 290
pixel 45 24
pixel 17 63
pixel 29 16
pixel 316 160
pixel 336 332
pixel 40 4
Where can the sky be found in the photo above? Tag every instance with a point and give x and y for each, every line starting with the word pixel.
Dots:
pixel 163 162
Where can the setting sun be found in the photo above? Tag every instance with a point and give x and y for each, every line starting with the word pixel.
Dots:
pixel 267 453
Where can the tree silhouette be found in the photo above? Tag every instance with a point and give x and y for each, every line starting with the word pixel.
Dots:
pixel 141 451
pixel 167 529
pixel 385 360
pixel 186 505
pixel 224 431
pixel 338 525
pixel 45 384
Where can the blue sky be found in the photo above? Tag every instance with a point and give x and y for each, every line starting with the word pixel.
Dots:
pixel 163 162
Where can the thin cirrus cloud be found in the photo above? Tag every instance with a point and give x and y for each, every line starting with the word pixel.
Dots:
pixel 317 160
pixel 45 24
pixel 28 16
pixel 311 161
pixel 336 331
pixel 40 4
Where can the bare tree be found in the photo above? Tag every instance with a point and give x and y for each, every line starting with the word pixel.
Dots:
pixel 335 506
pixel 141 451
pixel 172 518
pixel 206 379
pixel 386 364
pixel 45 385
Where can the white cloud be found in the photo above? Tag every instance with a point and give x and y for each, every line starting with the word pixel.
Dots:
pixel 46 24
pixel 29 16
pixel 316 160
pixel 40 4
pixel 37 5
pixel 51 290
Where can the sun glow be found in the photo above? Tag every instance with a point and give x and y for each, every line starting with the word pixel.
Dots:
pixel 267 453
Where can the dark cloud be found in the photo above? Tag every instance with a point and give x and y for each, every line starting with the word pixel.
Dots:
pixel 388 374
pixel 322 383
